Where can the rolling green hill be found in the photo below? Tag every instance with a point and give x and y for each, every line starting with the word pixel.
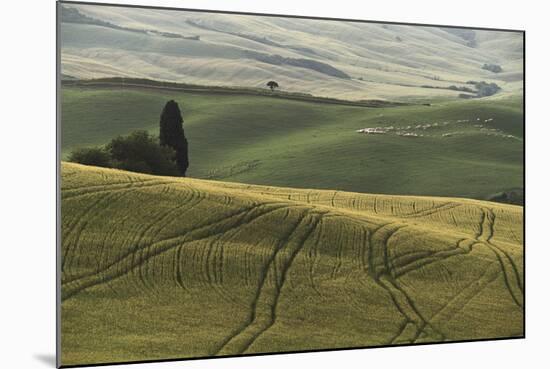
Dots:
pixel 165 267
pixel 468 148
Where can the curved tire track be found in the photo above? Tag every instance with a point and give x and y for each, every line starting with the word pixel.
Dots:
pixel 264 305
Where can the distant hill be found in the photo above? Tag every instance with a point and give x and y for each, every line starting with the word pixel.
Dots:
pixel 73 15
pixel 345 60
pixel 165 267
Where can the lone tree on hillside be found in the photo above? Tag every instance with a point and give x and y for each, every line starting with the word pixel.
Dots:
pixel 272 85
pixel 172 135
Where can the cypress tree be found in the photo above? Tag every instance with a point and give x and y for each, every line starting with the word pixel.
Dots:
pixel 172 135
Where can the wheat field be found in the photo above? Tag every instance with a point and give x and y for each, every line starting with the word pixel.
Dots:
pixel 165 267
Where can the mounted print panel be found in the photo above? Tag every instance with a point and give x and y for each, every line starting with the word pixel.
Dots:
pixel 239 184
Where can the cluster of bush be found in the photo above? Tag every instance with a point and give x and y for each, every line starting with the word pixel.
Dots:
pixel 486 89
pixel 495 68
pixel 137 152
pixel 482 89
pixel 461 88
pixel 141 151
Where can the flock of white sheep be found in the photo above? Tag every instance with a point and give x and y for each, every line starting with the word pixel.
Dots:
pixel 413 130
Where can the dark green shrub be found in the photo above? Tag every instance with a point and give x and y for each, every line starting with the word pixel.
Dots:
pixel 495 68
pixel 141 152
pixel 486 89
pixel 97 156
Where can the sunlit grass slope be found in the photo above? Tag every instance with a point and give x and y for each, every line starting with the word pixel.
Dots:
pixel 164 267
pixel 270 141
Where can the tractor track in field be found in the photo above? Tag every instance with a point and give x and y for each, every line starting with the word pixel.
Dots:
pixel 492 218
pixel 338 260
pixel 432 210
pixel 455 305
pixel 160 221
pixel 240 212
pixel 141 232
pixel 417 261
pixel 260 321
pixel 211 270
pixel 131 254
pixel 122 191
pixel 313 257
pixel 460 300
pixel 67 194
pixel 283 269
pixel 509 270
pixel 111 272
pixel 105 178
pixel 379 270
pixel 76 228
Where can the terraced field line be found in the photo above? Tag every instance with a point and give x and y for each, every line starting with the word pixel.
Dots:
pixel 264 305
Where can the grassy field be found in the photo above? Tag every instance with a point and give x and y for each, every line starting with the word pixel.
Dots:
pixel 271 141
pixel 164 267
